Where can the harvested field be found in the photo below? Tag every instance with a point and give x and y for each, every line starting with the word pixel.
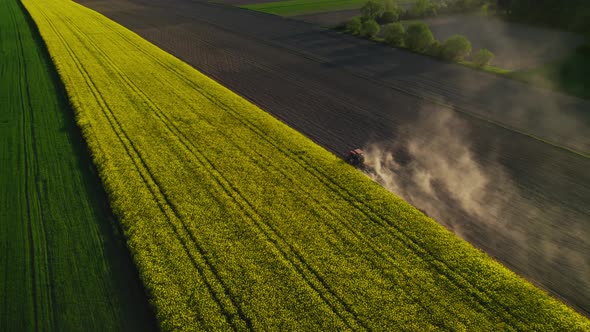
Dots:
pixel 237 221
pixel 516 46
pixel 65 266
pixel 339 93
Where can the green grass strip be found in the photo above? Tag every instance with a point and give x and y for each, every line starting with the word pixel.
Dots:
pixel 237 221
pixel 63 265
pixel 301 7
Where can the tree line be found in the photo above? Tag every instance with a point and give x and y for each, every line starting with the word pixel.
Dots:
pixel 566 14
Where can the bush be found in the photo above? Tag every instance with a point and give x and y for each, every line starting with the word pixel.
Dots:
pixel 394 34
pixel 370 28
pixel 423 8
pixel 418 37
pixel 483 57
pixel 456 48
pixel 388 17
pixel 372 9
pixel 354 26
pixel 434 49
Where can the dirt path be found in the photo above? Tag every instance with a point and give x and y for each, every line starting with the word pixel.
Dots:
pixel 530 209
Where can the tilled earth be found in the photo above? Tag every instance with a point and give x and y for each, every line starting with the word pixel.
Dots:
pixel 522 200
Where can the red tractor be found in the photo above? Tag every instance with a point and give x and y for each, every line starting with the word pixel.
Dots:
pixel 356 158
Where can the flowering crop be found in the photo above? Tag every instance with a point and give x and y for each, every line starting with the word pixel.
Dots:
pixel 237 221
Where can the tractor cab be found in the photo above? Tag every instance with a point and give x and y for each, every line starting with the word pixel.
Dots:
pixel 356 158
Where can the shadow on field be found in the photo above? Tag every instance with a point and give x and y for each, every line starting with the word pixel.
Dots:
pixel 137 313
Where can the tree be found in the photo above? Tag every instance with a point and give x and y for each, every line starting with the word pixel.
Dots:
pixel 418 37
pixel 394 34
pixel 372 9
pixel 483 57
pixel 390 5
pixel 423 8
pixel 354 26
pixel 456 48
pixel 391 12
pixel 388 17
pixel 370 28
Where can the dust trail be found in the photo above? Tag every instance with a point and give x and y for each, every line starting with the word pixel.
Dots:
pixel 433 166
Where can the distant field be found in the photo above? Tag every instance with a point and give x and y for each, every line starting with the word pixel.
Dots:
pixel 304 7
pixel 64 267
pixel 238 222
pixel 300 7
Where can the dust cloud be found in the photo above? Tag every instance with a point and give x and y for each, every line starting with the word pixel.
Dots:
pixel 433 166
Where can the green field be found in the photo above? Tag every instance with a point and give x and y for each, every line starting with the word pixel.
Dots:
pixel 303 7
pixel 64 266
pixel 300 7
pixel 238 222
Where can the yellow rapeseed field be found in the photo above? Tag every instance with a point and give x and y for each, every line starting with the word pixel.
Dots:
pixel 238 222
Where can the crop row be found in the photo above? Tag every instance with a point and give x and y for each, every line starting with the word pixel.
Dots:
pixel 237 222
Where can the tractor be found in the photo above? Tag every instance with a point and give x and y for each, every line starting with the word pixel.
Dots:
pixel 356 158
